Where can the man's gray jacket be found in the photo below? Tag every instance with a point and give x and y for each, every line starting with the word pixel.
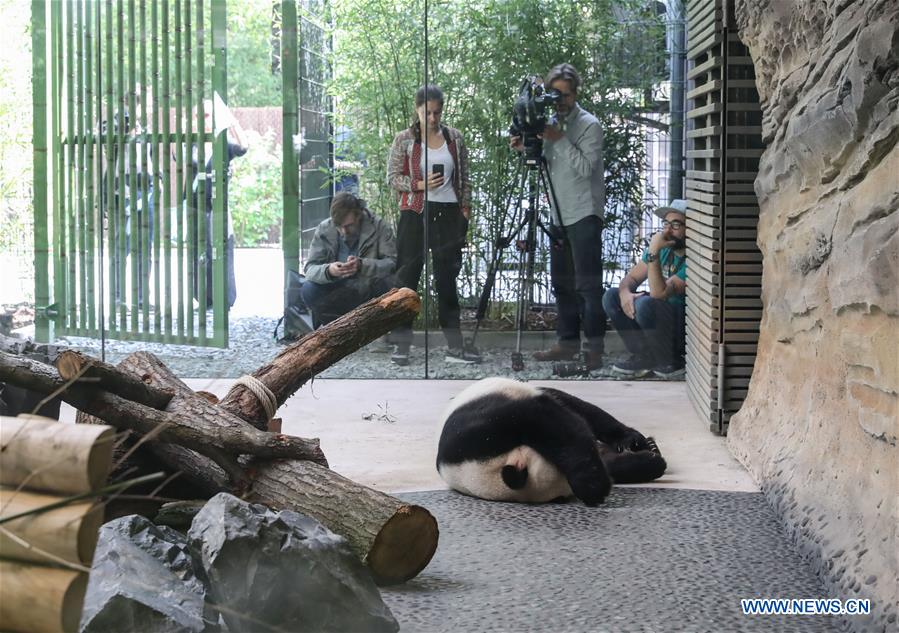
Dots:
pixel 576 168
pixel 377 250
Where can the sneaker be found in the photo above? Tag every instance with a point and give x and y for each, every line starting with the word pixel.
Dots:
pixel 400 357
pixel 672 371
pixel 557 352
pixel 468 355
pixel 633 367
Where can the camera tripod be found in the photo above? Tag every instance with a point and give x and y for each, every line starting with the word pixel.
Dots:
pixel 532 172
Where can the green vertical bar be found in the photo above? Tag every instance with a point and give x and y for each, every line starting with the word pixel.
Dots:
pixel 161 193
pixel 220 153
pixel 290 223
pixel 101 183
pixel 70 189
pixel 110 197
pixel 43 325
pixel 194 267
pixel 122 153
pixel 146 173
pixel 59 215
pixel 201 167
pixel 167 179
pixel 90 149
pixel 133 243
pixel 80 153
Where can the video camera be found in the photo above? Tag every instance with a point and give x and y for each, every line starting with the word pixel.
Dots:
pixel 529 116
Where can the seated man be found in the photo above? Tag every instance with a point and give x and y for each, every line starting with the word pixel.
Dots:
pixel 652 324
pixel 351 260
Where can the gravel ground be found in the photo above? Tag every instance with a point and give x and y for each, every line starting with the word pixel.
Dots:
pixel 252 345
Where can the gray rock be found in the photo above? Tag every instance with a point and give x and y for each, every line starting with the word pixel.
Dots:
pixel 284 570
pixel 145 578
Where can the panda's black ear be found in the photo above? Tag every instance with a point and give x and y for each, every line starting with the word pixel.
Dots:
pixel 515 478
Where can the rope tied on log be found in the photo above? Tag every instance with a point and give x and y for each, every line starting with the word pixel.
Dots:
pixel 265 396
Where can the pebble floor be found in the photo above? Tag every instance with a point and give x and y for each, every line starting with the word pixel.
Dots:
pixel 251 345
pixel 648 559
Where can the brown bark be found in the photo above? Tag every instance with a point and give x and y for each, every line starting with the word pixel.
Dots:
pixel 395 539
pixel 191 421
pixel 75 365
pixel 319 350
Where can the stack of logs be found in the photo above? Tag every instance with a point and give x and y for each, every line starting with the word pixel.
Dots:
pixel 45 554
pixel 226 446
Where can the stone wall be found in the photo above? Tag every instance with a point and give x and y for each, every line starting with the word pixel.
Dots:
pixel 818 428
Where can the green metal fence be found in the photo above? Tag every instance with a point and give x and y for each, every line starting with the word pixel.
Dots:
pixel 121 93
pixel 308 151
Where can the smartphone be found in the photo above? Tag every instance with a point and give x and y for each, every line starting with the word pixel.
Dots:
pixel 437 168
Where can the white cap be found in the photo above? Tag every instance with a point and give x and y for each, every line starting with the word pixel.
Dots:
pixel 676 206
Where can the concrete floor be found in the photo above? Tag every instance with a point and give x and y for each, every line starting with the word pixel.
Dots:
pixel 398 455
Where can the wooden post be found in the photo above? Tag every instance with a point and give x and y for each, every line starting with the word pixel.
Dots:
pixel 44 454
pixel 68 533
pixel 39 598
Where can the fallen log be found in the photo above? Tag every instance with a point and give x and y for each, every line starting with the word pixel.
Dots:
pixel 317 351
pixel 395 539
pixel 210 445
pixel 192 422
pixel 73 365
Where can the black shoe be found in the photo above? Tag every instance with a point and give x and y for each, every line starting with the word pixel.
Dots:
pixel 468 355
pixel 633 367
pixel 671 371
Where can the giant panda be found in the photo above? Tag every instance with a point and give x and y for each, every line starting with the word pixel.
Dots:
pixel 505 440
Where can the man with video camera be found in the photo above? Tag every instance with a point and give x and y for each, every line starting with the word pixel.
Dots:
pixel 572 149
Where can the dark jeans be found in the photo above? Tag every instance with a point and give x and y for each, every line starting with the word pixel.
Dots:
pixel 446 236
pixel 135 218
pixel 657 333
pixel 576 272
pixel 231 288
pixel 329 301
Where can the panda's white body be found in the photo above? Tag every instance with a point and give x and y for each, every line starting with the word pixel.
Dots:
pixel 504 440
pixel 483 478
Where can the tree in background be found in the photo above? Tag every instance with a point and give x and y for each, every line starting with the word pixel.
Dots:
pixel 15 126
pixel 479 50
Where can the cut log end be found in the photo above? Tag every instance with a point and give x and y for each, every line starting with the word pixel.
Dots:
pixel 404 546
pixel 70 363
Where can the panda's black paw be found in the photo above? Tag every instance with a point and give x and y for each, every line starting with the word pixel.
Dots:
pixel 591 487
pixel 630 440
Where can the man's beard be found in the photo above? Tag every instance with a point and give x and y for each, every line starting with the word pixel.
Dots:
pixel 678 244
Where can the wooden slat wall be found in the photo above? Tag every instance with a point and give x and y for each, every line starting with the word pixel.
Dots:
pixel 725 266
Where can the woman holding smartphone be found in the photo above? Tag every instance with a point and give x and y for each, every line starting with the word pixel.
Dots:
pixel 443 183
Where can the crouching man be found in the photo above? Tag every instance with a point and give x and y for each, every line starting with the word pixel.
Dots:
pixel 651 324
pixel 352 259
